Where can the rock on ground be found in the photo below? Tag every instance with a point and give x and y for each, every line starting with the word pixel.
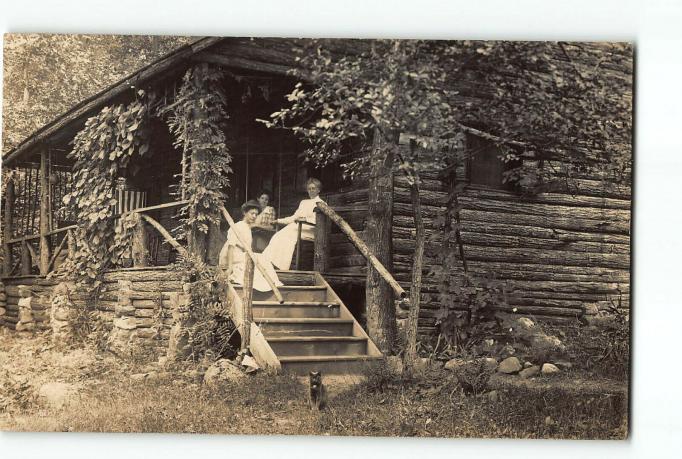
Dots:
pixel 510 365
pixel 549 369
pixel 221 371
pixel 530 372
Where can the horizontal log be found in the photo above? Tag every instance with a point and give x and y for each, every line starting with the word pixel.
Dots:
pixel 403 218
pixel 144 275
pixel 357 196
pixel 427 183
pixel 564 199
pixel 545 244
pixel 528 231
pixel 545 210
pixel 427 198
pixel 404 249
pixel 151 304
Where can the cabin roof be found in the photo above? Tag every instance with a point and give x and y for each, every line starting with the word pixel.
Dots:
pixel 90 105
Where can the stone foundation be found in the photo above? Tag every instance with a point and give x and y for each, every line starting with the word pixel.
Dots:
pixel 136 307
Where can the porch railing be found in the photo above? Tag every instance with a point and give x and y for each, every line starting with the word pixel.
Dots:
pixel 325 215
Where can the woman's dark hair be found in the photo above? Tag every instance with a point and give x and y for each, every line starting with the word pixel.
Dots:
pixel 264 191
pixel 250 204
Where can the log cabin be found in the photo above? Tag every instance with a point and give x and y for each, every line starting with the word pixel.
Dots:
pixel 559 250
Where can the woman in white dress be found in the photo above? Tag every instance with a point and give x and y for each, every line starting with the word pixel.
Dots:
pixel 281 248
pixel 233 256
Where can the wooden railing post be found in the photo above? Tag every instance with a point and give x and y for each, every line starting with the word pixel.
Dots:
pixel 70 244
pixel 7 227
pixel 322 236
pixel 298 246
pixel 247 302
pixel 44 263
pixel 25 259
pixel 139 250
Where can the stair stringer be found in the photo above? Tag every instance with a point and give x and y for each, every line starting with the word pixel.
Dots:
pixel 259 346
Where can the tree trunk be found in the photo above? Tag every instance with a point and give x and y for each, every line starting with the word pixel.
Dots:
pixel 381 322
pixel 410 356
pixel 197 240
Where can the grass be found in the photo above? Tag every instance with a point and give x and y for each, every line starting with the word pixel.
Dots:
pixel 432 405
pixel 278 405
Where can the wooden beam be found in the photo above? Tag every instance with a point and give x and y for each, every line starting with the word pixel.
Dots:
pixel 44 264
pixel 167 236
pixel 7 226
pixel 242 63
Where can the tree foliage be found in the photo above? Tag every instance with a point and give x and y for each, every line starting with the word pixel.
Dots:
pixel 46 74
pixel 554 111
pixel 101 150
pixel 195 119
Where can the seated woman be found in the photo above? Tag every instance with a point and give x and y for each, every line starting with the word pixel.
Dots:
pixel 267 216
pixel 233 256
pixel 283 243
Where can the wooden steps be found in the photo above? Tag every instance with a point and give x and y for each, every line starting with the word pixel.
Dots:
pixel 312 330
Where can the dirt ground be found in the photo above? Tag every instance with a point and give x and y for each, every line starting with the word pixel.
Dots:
pixel 44 388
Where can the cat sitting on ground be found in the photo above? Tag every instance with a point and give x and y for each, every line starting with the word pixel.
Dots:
pixel 318 393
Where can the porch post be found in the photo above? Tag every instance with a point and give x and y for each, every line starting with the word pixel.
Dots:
pixel 322 234
pixel 7 227
pixel 44 263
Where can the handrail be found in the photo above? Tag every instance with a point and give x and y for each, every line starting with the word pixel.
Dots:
pixel 256 262
pixel 362 247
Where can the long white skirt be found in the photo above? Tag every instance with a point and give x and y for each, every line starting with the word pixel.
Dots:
pixel 281 248
pixel 259 282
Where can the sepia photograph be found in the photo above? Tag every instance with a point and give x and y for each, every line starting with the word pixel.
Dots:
pixel 316 236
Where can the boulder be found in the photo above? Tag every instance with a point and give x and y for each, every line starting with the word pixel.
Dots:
pixel 544 341
pixel 56 394
pixel 509 366
pixel 524 323
pixel 530 372
pixel 563 365
pixel 221 371
pixel 549 369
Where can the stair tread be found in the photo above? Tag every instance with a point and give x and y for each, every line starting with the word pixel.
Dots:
pixel 280 339
pixel 294 320
pixel 295 303
pixel 327 358
pixel 294 287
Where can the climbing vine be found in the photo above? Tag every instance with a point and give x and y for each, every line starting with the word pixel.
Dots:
pixel 101 151
pixel 195 119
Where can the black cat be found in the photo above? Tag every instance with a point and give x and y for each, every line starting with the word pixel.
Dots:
pixel 318 393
